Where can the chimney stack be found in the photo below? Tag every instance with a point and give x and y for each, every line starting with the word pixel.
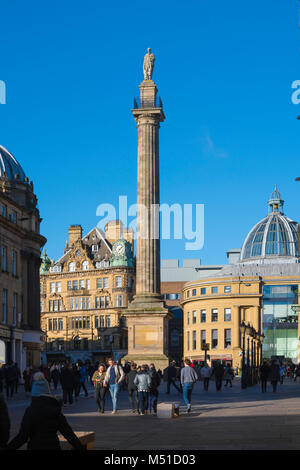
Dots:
pixel 75 232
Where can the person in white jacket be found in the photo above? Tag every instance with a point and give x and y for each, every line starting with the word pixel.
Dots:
pixel 205 374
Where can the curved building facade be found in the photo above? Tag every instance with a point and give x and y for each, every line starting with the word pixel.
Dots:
pixel 260 291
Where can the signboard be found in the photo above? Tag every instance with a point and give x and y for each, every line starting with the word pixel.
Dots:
pixel 205 346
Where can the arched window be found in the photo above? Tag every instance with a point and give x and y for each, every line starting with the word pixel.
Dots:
pixel 85 266
pixel 71 267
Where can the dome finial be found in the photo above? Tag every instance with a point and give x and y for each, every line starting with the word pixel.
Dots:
pixel 275 202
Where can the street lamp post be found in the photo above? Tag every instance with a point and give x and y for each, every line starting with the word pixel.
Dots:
pixel 243 333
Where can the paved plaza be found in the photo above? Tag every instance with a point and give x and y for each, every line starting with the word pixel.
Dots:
pixel 230 419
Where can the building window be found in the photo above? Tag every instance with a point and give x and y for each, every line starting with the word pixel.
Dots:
pixel 60 324
pixel 174 336
pixel 14 263
pixel 214 315
pixel 203 316
pixel 188 318
pixel 71 267
pixel 203 290
pixel 194 340
pixel 194 292
pixel 58 287
pixel 227 289
pixel 4 258
pixel 54 324
pixel 4 305
pixel 88 284
pixel 15 307
pixel 99 283
pixel 118 281
pixel 227 314
pixel 75 285
pixel 202 336
pixel 107 319
pixel 214 339
pixel 13 217
pixel 227 338
pixel 102 321
pixel 52 287
pixel 214 290
pixel 188 293
pixel 188 340
pixel 118 301
pixel 94 248
pixel 4 210
pixel 194 316
pixel 50 324
pixel 105 282
pixel 82 284
pixel 85 266
pixel 69 285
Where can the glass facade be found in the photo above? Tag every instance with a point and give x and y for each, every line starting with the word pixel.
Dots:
pixel 280 321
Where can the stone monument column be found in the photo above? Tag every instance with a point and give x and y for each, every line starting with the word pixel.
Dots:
pixel 147 316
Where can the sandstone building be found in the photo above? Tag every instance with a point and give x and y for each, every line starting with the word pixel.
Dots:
pixel 261 291
pixel 20 244
pixel 84 295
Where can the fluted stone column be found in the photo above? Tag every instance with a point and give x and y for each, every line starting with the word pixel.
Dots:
pixel 147 316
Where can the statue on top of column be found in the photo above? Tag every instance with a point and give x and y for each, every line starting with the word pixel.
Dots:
pixel 148 65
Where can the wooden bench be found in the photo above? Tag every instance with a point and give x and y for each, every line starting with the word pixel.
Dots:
pixel 167 410
pixel 86 438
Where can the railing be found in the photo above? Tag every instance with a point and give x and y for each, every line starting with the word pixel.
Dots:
pixel 147 103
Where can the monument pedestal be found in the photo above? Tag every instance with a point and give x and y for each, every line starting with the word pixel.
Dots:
pixel 147 323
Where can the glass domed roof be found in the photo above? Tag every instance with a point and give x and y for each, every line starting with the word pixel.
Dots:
pixel 275 235
pixel 9 166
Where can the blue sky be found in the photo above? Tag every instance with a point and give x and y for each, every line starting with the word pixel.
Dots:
pixel 224 71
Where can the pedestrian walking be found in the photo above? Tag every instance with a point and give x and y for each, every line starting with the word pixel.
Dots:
pixel 171 376
pixel 42 420
pixel 218 372
pixel 132 389
pixel 113 378
pixel 143 381
pixel 282 373
pixel 54 375
pixel 83 378
pixel 4 423
pixel 228 375
pixel 100 389
pixel 274 374
pixel 153 390
pixel 188 378
pixel 264 374
pixel 27 377
pixel 67 380
pixel 205 374
pixel 10 375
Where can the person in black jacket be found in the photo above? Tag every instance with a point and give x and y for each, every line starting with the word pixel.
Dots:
pixel 4 423
pixel 132 389
pixel 54 375
pixel 10 375
pixel 171 375
pixel 67 380
pixel 274 374
pixel 40 424
pixel 264 374
pixel 155 383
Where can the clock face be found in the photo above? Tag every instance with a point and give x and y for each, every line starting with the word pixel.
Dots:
pixel 119 249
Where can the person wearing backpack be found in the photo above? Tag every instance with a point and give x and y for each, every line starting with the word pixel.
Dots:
pixel 113 378
pixel 153 390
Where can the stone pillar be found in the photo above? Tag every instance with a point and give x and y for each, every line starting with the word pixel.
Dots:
pixel 147 316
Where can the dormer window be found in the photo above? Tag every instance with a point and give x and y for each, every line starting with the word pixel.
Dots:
pixel 85 266
pixel 95 248
pixel 71 267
